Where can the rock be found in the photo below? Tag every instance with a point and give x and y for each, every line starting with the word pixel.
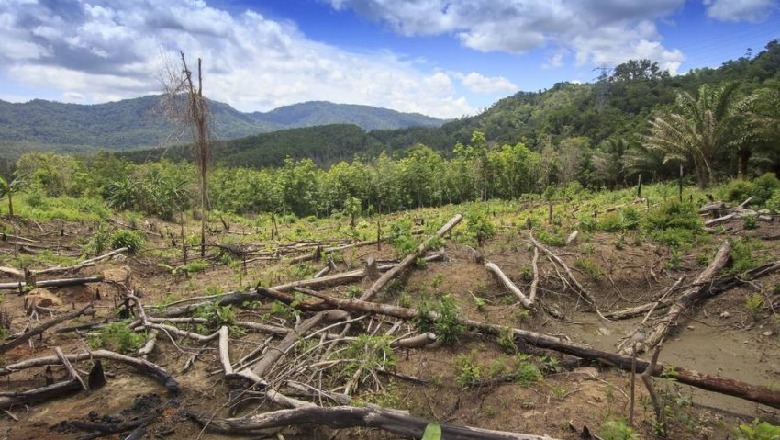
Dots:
pixel 41 297
pixel 724 314
pixel 769 333
pixel 604 331
pixel 690 327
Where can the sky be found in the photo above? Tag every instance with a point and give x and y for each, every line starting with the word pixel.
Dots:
pixel 440 58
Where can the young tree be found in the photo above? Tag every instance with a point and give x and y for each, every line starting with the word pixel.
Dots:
pixel 185 105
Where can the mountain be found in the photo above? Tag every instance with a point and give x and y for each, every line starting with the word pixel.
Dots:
pixel 314 113
pixel 137 123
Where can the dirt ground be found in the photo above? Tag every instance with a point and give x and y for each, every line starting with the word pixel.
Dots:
pixel 722 337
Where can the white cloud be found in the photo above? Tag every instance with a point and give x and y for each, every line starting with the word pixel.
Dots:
pixel 594 30
pixel 478 83
pixel 740 10
pixel 104 50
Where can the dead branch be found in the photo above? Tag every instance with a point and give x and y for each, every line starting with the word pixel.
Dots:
pixel 646 308
pixel 317 251
pixel 66 363
pixel 495 270
pixel 535 283
pixel 693 378
pixel 78 266
pixel 339 417
pixel 37 395
pixel 689 296
pixel 62 282
pixel 411 258
pixel 156 372
pixel 578 287
pixel 43 327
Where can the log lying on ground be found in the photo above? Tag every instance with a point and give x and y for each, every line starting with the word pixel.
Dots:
pixel 21 339
pixel 62 282
pixel 575 284
pixel 37 395
pixel 689 296
pixel 693 378
pixel 495 270
pixel 339 417
pixel 78 266
pixel 411 258
pixel 156 372
pixel 658 304
pixel 312 256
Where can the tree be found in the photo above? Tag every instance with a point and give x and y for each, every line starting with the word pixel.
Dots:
pixel 8 188
pixel 185 105
pixel 697 129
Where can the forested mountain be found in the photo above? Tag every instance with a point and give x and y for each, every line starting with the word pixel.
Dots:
pixel 136 123
pixel 616 106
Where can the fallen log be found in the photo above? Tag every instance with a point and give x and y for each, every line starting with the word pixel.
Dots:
pixel 731 387
pixel 495 270
pixel 37 395
pixel 339 417
pixel 658 304
pixel 83 264
pixel 379 284
pixel 21 339
pixel 315 254
pixel 156 372
pixel 575 284
pixel 62 282
pixel 535 283
pixel 689 296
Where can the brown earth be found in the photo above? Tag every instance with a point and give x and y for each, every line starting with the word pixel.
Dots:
pixel 722 336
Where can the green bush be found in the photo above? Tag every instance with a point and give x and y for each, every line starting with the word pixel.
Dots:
pixel 757 431
pixel 118 337
pixel 479 227
pixel 617 430
pixel 739 190
pixel 132 240
pixel 764 187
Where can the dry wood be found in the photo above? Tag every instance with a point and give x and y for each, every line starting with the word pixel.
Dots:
pixel 693 378
pixel 78 266
pixel 339 417
pixel 74 375
pixel 577 286
pixel 658 304
pixel 318 251
pixel 37 395
pixel 411 258
pixel 269 360
pixel 689 296
pixel 156 372
pixel 61 282
pixel 43 327
pixel 12 271
pixel 495 270
pixel 416 341
pixel 535 283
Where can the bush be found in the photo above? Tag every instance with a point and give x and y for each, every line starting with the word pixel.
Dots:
pixel 738 190
pixel 757 431
pixel 132 240
pixel 118 337
pixel 764 187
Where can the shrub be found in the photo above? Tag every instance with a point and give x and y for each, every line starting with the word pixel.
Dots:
pixel 118 337
pixel 738 190
pixel 757 431
pixel 132 240
pixel 764 187
pixel 479 227
pixel 617 430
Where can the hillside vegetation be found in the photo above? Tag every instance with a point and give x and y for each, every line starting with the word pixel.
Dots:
pixel 40 125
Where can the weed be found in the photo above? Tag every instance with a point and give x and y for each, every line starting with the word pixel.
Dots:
pixel 216 316
pixel 526 373
pixel 478 227
pixel 369 353
pixel 742 258
pixel 551 238
pixel 447 326
pixel 117 336
pixel 617 430
pixel 506 340
pixel 466 370
pixel 754 303
pixel 437 280
pixel 558 392
pixel 522 315
pixel 674 260
pixel 590 267
pixel 750 222
pixel 405 300
pixel 132 240
pixel 757 431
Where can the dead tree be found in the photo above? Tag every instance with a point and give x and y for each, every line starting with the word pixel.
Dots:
pixel 185 105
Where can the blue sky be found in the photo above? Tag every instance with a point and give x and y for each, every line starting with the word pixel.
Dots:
pixel 440 58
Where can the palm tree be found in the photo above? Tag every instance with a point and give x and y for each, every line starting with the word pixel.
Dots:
pixel 8 188
pixel 697 129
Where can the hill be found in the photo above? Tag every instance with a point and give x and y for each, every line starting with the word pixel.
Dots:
pixel 136 123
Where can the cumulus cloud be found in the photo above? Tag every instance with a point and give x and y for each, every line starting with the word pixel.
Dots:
pixel 740 10
pixel 595 31
pixel 104 50
pixel 478 83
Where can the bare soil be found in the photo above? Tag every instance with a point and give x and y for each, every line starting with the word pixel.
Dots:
pixel 722 336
